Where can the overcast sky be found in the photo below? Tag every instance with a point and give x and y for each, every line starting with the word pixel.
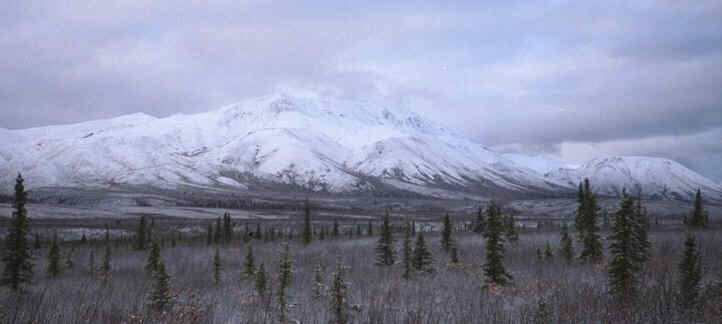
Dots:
pixel 570 78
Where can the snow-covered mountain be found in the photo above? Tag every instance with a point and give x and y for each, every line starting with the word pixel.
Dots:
pixel 655 177
pixel 297 139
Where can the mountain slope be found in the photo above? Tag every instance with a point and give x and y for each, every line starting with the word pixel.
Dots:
pixel 655 177
pixel 295 140
pixel 304 140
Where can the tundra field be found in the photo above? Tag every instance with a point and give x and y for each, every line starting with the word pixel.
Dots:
pixel 545 287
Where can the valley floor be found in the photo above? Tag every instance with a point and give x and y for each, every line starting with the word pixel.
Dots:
pixel 571 293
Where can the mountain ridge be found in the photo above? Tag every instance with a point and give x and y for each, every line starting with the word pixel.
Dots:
pixel 303 140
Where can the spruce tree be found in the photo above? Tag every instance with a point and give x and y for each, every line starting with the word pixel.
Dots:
pixel 335 231
pixel 690 275
pixel 227 228
pixel 339 292
pixel 140 235
pixel 623 249
pixel 91 262
pixel 209 237
pixel 54 258
pixel 587 225
pixel 319 288
pixel 285 268
pixel 249 264
pixel 149 236
pixel 106 266
pixel 371 229
pixel 548 252
pixel 83 239
pixel 407 253
pixel 161 298
pixel 566 249
pixel 512 235
pixel 307 226
pixel 698 218
pixel 640 224
pixel 261 281
pixel 17 256
pixel 543 314
pixel 480 223
pixel 217 268
pixel 359 231
pixel 494 269
pixel 385 254
pixel 37 245
pixel 258 235
pixel 446 240
pixel 454 256
pixel 422 260
pixel 218 232
pixel 153 260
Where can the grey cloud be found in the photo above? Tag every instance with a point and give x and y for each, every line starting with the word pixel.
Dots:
pixel 511 72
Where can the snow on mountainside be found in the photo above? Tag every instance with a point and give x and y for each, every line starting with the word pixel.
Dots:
pixel 655 177
pixel 298 139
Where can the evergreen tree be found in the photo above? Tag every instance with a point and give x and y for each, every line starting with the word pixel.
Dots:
pixel 698 218
pixel 217 268
pixel 106 266
pixel 407 253
pixel 17 257
pixel 543 314
pixel 261 280
pixel 322 234
pixel 480 223
pixel 258 235
pixel 413 228
pixel 385 254
pixel 690 275
pixel 422 260
pixel 454 256
pixel 285 267
pixel 209 237
pixel 54 258
pixel 91 262
pixel 69 259
pixel 161 298
pixel 319 288
pixel 335 231
pixel 152 263
pixel 587 225
pixel 339 293
pixel 149 236
pixel 227 228
pixel 566 249
pixel 83 239
pixel 579 216
pixel 446 240
pixel 640 226
pixel 218 232
pixel 359 231
pixel 371 229
pixel 249 264
pixel 548 252
pixel 37 244
pixel 512 235
pixel 140 235
pixel 623 249
pixel 494 269
pixel 307 226
pixel 285 272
